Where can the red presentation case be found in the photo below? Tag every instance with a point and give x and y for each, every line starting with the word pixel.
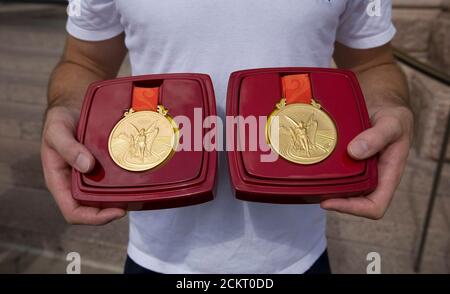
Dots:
pixel 186 179
pixel 255 92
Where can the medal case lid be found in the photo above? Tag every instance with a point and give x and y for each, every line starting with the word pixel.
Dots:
pixel 256 92
pixel 167 185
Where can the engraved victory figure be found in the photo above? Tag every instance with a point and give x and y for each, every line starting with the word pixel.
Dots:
pixel 143 140
pixel 303 135
pixel 141 144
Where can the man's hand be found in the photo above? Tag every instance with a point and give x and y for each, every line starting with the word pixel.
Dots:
pixel 82 63
pixel 390 137
pixel 60 152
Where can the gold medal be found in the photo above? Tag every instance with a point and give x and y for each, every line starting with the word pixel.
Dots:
pixel 143 140
pixel 300 132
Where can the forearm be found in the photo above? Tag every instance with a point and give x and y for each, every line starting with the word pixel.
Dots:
pixel 383 85
pixel 381 79
pixel 386 92
pixel 82 63
pixel 68 84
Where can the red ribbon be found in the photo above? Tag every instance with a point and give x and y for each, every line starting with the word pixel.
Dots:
pixel 297 88
pixel 145 99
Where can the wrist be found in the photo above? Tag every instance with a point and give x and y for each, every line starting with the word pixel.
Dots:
pixel 399 114
pixel 63 114
pixel 69 103
pixel 387 100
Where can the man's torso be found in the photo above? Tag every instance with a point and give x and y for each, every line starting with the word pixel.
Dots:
pixel 218 37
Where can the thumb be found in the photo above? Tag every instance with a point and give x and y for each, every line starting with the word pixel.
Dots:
pixel 60 136
pixel 385 131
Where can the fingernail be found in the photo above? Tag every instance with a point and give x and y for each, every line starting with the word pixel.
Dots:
pixel 359 148
pixel 82 163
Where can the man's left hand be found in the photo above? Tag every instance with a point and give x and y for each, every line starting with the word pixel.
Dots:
pixel 390 136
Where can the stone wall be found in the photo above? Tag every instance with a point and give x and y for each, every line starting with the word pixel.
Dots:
pixel 424 32
pixel 414 21
pixel 439 51
pixel 430 101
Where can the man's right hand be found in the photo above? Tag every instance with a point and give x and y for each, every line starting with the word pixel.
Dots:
pixel 60 151
pixel 82 63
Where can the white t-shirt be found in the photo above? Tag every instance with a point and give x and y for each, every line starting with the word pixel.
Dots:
pixel 218 37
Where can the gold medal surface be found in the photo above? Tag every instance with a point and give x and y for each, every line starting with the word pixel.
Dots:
pixel 143 140
pixel 301 133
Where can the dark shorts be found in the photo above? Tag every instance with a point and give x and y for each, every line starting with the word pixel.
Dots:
pixel 321 266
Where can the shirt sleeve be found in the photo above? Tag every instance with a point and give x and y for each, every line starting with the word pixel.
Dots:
pixel 93 20
pixel 366 24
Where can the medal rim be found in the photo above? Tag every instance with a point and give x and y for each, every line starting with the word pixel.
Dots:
pixel 277 110
pixel 128 114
